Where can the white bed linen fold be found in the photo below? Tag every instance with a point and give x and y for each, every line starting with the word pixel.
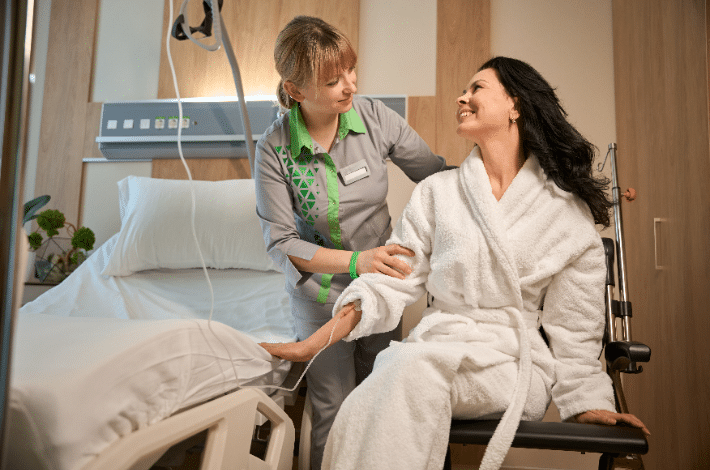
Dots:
pixel 98 357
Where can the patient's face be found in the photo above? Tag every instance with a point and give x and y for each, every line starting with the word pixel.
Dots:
pixel 485 108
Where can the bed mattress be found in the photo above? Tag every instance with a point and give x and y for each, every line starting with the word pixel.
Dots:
pixel 98 357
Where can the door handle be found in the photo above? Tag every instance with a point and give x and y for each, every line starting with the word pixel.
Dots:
pixel 660 253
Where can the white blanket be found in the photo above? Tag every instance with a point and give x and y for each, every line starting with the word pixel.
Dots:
pixel 487 265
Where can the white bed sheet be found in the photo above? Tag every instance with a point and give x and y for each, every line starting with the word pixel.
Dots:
pixel 98 357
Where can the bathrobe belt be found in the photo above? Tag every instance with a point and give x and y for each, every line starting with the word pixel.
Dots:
pixel 454 317
pixel 496 316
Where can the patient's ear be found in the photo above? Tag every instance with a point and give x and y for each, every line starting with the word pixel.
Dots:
pixel 515 112
pixel 293 91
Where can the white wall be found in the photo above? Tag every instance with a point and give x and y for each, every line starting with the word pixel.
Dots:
pixel 125 68
pixel 128 45
pixel 570 43
pixel 397 51
pixel 397 55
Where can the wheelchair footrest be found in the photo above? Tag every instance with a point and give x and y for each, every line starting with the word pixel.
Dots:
pixel 556 436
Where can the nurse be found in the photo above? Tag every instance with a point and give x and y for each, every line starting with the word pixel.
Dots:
pixel 321 185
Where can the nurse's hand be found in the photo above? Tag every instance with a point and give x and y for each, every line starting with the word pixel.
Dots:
pixel 383 260
pixel 294 352
pixel 610 418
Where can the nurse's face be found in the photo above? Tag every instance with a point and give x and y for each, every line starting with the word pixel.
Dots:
pixel 485 109
pixel 335 96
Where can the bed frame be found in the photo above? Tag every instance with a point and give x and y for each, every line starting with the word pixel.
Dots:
pixel 229 422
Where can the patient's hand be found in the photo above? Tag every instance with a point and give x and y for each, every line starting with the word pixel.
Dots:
pixel 336 329
pixel 610 418
pixel 294 352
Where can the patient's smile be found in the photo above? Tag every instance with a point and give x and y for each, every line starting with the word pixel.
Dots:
pixel 463 114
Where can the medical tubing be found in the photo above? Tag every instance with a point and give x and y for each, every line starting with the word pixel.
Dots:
pixel 192 193
pixel 353 264
pixel 248 138
pixel 250 146
pixel 215 24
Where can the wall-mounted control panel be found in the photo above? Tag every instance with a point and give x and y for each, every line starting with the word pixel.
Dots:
pixel 211 129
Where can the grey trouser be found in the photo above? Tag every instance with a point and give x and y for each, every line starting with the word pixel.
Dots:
pixel 335 372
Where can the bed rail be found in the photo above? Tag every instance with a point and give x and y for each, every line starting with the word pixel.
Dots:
pixel 229 422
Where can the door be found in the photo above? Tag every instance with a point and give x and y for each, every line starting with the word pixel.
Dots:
pixel 661 88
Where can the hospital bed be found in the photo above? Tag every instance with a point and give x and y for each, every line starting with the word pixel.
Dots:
pixel 121 360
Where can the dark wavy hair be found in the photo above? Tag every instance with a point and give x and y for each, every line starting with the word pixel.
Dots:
pixel 564 154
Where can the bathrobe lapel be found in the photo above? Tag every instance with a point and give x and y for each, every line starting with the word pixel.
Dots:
pixel 494 218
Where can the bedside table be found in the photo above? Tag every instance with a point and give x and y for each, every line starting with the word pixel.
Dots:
pixel 32 290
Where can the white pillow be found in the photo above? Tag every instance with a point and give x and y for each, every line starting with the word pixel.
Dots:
pixel 156 230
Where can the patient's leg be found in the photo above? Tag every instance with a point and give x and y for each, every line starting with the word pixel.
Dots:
pixel 399 416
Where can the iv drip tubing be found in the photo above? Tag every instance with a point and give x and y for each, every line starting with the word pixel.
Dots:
pixel 219 27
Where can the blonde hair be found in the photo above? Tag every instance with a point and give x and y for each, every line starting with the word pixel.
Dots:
pixel 310 50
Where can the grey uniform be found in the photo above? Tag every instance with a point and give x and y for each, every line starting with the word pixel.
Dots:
pixel 308 198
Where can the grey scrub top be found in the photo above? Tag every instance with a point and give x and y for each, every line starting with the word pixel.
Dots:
pixel 307 198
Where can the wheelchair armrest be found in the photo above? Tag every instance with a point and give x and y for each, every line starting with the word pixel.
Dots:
pixel 623 355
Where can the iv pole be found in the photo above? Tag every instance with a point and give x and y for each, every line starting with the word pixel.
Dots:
pixel 630 195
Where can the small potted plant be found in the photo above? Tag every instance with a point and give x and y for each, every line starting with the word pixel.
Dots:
pixel 57 257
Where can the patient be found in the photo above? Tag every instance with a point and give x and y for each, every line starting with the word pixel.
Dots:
pixel 511 228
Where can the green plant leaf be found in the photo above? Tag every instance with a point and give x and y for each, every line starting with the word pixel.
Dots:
pixel 77 258
pixel 31 207
pixel 51 221
pixel 83 238
pixel 35 240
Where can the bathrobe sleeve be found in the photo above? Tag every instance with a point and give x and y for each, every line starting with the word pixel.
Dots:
pixel 383 297
pixel 573 320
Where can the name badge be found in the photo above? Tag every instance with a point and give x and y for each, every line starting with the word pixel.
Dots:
pixel 355 172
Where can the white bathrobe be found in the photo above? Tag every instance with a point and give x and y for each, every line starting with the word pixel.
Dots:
pixel 488 266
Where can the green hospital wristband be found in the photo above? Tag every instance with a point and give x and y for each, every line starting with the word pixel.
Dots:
pixel 353 264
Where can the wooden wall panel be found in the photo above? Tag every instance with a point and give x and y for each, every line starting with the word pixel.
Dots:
pixel 67 93
pixel 463 29
pixel 253 27
pixel 661 85
pixel 420 115
pixel 208 169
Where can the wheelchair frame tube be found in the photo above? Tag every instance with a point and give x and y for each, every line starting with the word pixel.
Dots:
pixel 621 254
pixel 610 318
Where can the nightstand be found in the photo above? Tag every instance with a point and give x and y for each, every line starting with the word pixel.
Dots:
pixel 32 290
